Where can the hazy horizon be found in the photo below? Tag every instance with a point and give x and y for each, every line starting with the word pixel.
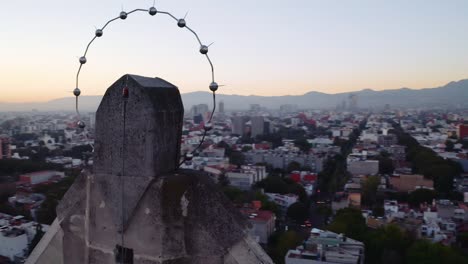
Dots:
pixel 266 48
pixel 224 93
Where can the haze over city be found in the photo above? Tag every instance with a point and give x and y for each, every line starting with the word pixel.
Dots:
pixel 234 132
pixel 261 48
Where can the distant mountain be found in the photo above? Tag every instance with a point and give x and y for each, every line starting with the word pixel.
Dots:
pixel 452 94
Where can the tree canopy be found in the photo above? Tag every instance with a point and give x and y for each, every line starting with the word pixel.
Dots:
pixel 349 221
pixel 369 190
pixel 390 244
pixel 419 196
pixel 298 212
pixel 425 161
pixel 276 184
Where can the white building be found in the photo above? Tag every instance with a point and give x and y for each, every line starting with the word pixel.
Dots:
pixel 325 247
pixel 13 243
pixel 283 200
pixel 40 176
pixel 363 167
pixel 390 207
pixel 15 236
pixel 246 176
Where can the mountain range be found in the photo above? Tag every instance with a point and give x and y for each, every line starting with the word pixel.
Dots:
pixel 450 95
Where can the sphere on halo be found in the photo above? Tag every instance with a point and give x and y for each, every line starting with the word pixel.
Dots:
pixel 81 124
pixel 208 126
pixel 99 33
pixel 123 15
pixel 77 91
pixel 181 23
pixel 204 49
pixel 152 11
pixel 214 86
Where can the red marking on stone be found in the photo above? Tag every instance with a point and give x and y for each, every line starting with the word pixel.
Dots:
pixel 125 92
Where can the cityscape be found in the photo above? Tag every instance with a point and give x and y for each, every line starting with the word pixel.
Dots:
pixel 316 185
pixel 149 170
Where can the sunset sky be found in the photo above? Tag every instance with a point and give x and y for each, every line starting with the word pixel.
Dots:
pixel 262 47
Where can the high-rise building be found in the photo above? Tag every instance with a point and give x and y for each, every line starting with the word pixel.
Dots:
pixel 221 107
pixel 266 127
pixel 198 111
pixel 258 126
pixel 5 150
pixel 92 120
pixel 255 107
pixel 238 124
pixel 353 101
pixel 288 108
pixel 462 131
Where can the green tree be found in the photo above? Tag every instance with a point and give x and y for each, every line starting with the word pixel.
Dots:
pixel 13 167
pixel 285 242
pixel 426 161
pixel 419 196
pixel 223 180
pixel 293 166
pixel 298 212
pixel 324 210
pixel 462 239
pixel 37 237
pixel 237 158
pixel 303 145
pixel 276 184
pixel 273 184
pixel 275 139
pixel 234 194
pixel 387 245
pixel 369 190
pixel 226 147
pixel 296 188
pixel 449 146
pixel 385 154
pixel 424 252
pixel 246 148
pixel 386 165
pixel 54 193
pixel 77 152
pixel 349 221
pixel 442 175
pixel 267 204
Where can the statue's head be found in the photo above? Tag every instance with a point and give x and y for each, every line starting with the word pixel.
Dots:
pixel 138 127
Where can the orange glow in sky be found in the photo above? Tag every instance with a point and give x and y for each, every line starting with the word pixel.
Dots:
pixel 270 47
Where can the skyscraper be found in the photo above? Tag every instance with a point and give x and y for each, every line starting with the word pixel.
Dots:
pixel 353 101
pixel 258 126
pixel 255 107
pixel 221 107
pixel 199 113
pixel 5 150
pixel 238 124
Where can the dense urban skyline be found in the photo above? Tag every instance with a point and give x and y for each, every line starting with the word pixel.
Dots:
pixel 261 48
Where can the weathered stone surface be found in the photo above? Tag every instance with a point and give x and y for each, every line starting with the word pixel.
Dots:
pixel 181 218
pixel 50 248
pixel 153 128
pixel 154 118
pixel 167 216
